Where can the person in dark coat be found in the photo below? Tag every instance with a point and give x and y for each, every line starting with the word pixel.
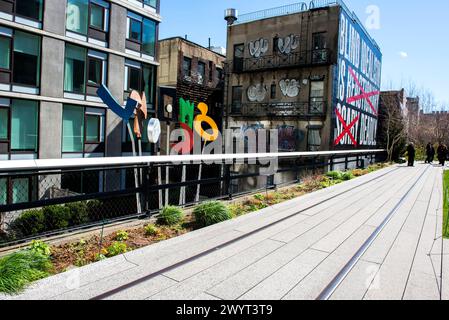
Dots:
pixel 411 152
pixel 430 151
pixel 442 154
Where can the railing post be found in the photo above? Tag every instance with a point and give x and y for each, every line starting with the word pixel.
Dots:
pixel 331 163
pixel 228 180
pixel 346 163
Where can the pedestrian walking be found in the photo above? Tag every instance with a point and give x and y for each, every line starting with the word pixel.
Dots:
pixel 430 151
pixel 442 152
pixel 411 152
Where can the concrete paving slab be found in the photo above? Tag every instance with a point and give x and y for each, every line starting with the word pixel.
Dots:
pixel 201 282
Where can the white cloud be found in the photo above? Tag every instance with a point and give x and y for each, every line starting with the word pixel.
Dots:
pixel 403 54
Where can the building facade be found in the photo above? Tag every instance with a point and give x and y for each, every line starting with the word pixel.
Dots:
pixel 54 56
pixel 312 73
pixel 190 72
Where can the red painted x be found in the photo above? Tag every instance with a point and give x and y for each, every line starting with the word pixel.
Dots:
pixel 346 129
pixel 364 95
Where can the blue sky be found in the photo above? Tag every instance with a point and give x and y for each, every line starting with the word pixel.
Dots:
pixel 413 35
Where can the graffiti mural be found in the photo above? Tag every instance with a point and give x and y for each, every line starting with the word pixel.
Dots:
pixel 257 92
pixel 290 87
pixel 258 48
pixel 356 97
pixel 288 44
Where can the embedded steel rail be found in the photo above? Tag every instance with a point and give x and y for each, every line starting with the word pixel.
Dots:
pixel 327 293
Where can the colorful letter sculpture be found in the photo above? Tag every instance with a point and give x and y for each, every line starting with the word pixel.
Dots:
pixel 124 113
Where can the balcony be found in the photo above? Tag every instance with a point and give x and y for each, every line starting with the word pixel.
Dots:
pixel 299 59
pixel 280 109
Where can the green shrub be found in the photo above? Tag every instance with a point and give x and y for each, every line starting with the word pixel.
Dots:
pixel 40 247
pixel 151 230
pixel 121 236
pixel 20 269
pixel 335 175
pixel 30 223
pixel 170 216
pixel 116 248
pixel 56 217
pixel 79 214
pixel 210 213
pixel 347 176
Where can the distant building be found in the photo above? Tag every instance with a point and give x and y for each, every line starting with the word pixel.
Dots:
pixel 191 72
pixel 312 72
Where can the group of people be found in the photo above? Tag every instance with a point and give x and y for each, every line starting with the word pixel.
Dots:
pixel 442 153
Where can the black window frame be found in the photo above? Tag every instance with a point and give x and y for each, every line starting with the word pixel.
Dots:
pixel 236 106
pixel 88 86
pixel 273 91
pixel 239 61
pixel 15 14
pixel 11 62
pixel 103 9
pixel 184 73
pixel 312 110
pixel 32 188
pixel 203 74
pixel 10 70
pixel 100 145
pixel 150 100
pixel 94 142
pixel 9 151
pixel 131 43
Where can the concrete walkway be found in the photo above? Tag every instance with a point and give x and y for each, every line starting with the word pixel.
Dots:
pixel 291 251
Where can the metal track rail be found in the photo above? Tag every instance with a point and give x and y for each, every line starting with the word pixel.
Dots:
pixel 339 278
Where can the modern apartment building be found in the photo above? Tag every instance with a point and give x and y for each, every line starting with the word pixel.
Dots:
pixel 311 71
pixel 54 55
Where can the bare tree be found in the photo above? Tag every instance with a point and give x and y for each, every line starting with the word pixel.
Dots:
pixel 392 124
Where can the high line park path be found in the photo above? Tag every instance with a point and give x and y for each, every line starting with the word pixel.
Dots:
pixel 375 237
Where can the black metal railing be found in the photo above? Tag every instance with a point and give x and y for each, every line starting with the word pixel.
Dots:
pixel 64 196
pixel 279 109
pixel 296 59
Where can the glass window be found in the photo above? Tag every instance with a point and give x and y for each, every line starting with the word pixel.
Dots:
pixel 152 3
pixel 93 128
pixel 24 123
pixel 201 71
pixel 273 91
pixel 75 61
pixel 20 190
pixel 239 53
pixel 317 96
pixel 27 48
pixel 314 139
pixel 29 9
pixel 135 30
pixel 134 79
pixel 148 83
pixel 319 41
pixel 4 117
pixel 149 37
pixel 237 99
pixel 96 16
pixel 95 71
pixel 72 129
pixel 5 53
pixel 77 15
pixel 187 66
pixel 3 191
